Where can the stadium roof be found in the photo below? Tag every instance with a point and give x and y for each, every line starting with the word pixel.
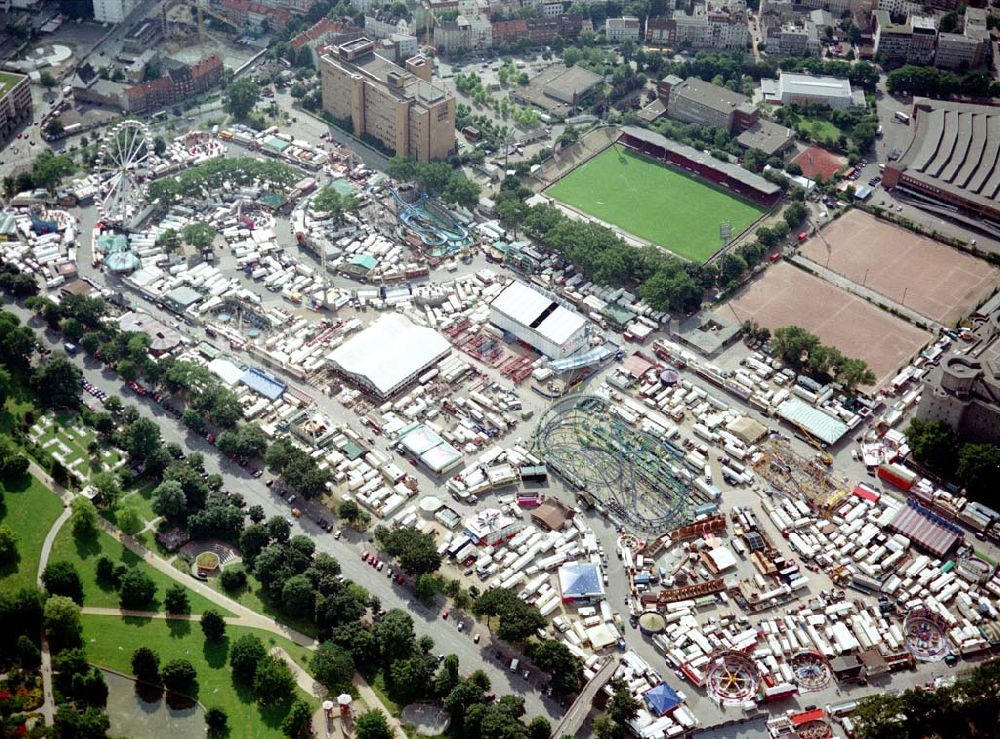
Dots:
pixel 733 171
pixel 812 420
pixel 955 148
pixel 925 528
pixel 662 699
pixel 390 352
pixel 263 384
pixel 531 308
pixel 580 580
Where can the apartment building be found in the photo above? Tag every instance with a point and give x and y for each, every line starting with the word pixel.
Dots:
pixel 923 39
pixel 794 38
pixel 382 24
pixel 15 104
pixel 620 29
pixel 464 33
pixel 405 113
pixel 178 84
pixel 113 11
pixel 248 14
pixel 715 24
pixel 538 31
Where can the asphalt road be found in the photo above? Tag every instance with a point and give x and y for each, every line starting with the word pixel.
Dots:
pixel 447 638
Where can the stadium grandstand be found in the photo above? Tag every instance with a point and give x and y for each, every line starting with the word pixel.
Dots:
pixel 745 184
pixel 953 157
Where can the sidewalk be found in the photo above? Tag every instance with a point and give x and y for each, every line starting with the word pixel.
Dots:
pixel 49 702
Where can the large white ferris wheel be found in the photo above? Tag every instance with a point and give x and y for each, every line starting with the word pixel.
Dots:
pixel 123 164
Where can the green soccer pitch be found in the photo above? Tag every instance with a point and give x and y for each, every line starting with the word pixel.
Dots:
pixel 654 202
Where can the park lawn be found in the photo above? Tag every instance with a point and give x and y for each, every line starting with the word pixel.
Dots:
pixel 29 509
pixel 141 497
pixel 654 202
pixel 111 640
pixel 820 130
pixel 250 597
pixel 84 555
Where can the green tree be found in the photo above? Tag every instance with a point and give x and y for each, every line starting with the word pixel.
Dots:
pixel 146 665
pixel 244 655
pixel 61 620
pixel 169 500
pixel 298 720
pixel 142 440
pixel 28 654
pixel 179 676
pixel 109 488
pixel 795 213
pixel 979 470
pixel 91 723
pixel 372 725
pixel 539 728
pixel 425 588
pixel 273 682
pixel 47 80
pixel 336 206
pixel 555 658
pixel 518 620
pixel 416 552
pixel 333 667
pixel 297 596
pixel 61 578
pixel 217 721
pixel 58 383
pixel 199 235
pixel 176 600
pixel 349 511
pixel 137 590
pixel 8 546
pixel 933 444
pixel 213 625
pixel 83 518
pixel 129 519
pixel 240 97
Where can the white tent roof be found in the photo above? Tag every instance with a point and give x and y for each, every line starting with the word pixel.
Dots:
pixel 531 308
pixel 389 351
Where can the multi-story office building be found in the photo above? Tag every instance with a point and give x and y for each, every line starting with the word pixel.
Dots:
pixel 15 104
pixel 923 39
pixel 405 113
pixel 966 50
pixel 696 101
pixel 113 11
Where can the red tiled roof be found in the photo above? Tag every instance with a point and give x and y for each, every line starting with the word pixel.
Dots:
pixel 317 30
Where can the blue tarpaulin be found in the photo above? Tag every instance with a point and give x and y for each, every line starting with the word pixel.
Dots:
pixel 662 699
pixel 264 384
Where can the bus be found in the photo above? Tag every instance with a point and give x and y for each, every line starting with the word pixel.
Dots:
pixel 903 117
